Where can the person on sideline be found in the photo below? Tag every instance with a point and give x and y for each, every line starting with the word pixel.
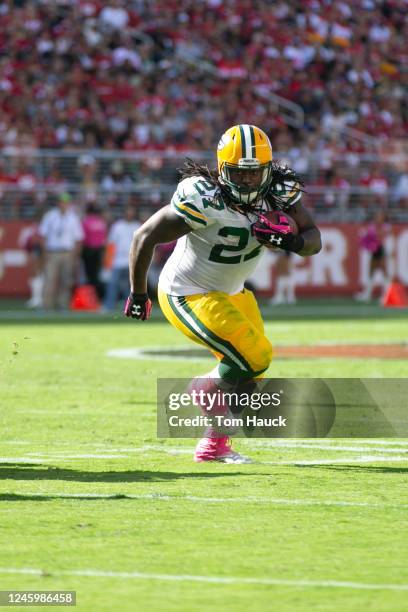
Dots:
pixel 120 238
pixel 62 235
pixel 95 236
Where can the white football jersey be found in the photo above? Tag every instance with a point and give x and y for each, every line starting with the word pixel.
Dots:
pixel 219 254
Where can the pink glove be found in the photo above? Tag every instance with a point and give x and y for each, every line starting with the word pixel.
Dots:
pixel 278 234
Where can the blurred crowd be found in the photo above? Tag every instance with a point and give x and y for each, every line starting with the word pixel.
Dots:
pixel 160 76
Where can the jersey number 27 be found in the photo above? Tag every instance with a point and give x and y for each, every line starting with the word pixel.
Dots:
pixel 216 254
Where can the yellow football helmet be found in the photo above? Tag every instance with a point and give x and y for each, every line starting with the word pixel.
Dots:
pixel 244 156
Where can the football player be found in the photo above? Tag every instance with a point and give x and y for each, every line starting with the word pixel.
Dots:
pixel 217 220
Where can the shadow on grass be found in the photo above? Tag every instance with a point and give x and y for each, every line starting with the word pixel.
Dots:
pixel 368 469
pixel 16 497
pixel 27 471
pixel 21 497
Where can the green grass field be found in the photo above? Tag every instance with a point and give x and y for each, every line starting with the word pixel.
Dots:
pixel 92 501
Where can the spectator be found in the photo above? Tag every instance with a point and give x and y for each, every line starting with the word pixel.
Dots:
pixel 88 168
pixel 117 184
pixel 83 73
pixel 114 15
pixel 168 76
pixel 32 242
pixel 95 235
pixel 62 234
pixel 285 283
pixel 120 236
pixel 401 190
pixel 373 241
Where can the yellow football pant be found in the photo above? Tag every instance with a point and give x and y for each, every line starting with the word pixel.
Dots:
pixel 230 326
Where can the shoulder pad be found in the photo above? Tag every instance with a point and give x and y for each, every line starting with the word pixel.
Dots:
pixel 195 200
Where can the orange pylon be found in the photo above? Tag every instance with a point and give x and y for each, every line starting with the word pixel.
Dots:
pixel 85 298
pixel 395 296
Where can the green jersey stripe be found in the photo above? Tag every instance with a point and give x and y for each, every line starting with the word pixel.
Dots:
pixel 189 216
pixel 192 207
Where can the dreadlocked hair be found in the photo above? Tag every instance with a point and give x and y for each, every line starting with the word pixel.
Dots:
pixel 191 168
pixel 282 174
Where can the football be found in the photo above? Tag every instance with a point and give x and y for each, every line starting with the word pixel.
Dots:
pixel 280 218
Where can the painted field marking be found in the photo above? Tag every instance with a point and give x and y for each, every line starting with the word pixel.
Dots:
pixel 95 573
pixel 255 446
pixel 212 500
pixel 16 442
pixel 38 457
pixel 140 353
pixel 20 460
pixel 361 459
pixel 334 441
pixel 41 458
pixel 271 447
pixel 109 455
pixel 272 444
pixel 327 447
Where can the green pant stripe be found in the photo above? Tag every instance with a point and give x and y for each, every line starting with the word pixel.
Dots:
pixel 229 349
pixel 180 316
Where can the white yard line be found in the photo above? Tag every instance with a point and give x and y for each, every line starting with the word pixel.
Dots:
pixel 334 441
pixel 109 455
pixel 362 459
pixel 326 443
pixel 95 573
pixel 39 457
pixel 20 460
pixel 265 446
pixel 212 500
pixel 326 447
pixel 45 457
pixel 140 353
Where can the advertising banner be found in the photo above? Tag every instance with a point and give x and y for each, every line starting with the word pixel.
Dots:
pixel 340 269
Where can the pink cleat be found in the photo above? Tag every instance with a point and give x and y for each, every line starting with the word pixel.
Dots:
pixel 218 449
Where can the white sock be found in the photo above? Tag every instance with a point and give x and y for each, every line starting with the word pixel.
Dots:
pixel 281 289
pixel 36 286
pixel 291 284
